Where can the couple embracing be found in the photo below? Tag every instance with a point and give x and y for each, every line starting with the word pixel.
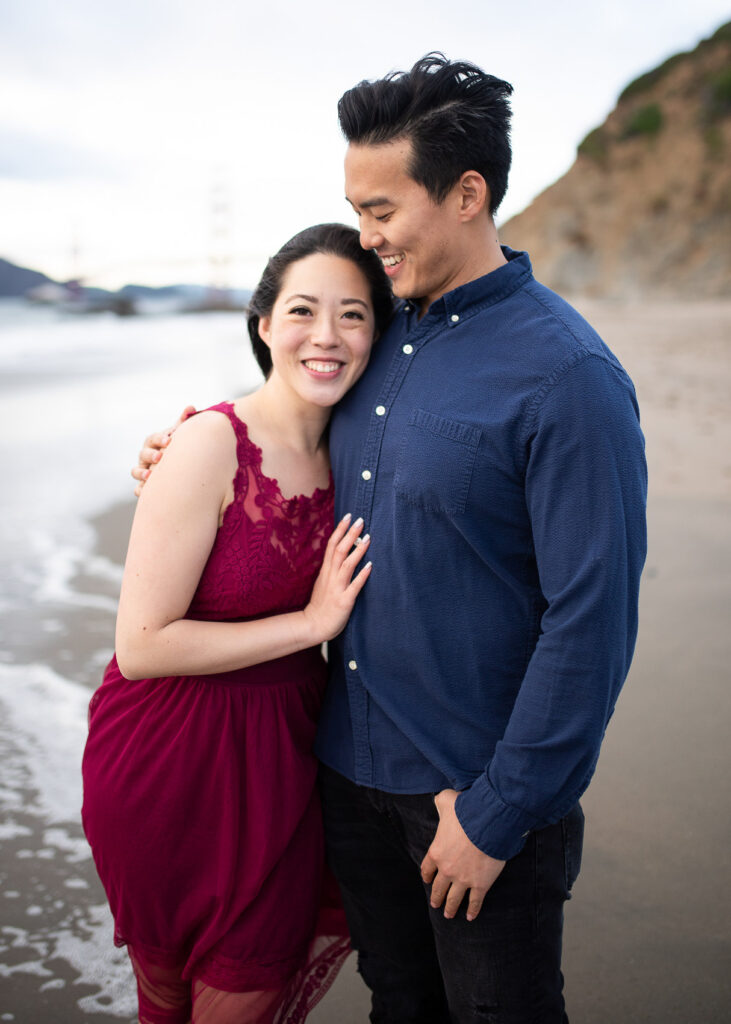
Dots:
pixel 478 448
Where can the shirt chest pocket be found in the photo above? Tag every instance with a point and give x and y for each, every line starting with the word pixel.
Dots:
pixel 435 462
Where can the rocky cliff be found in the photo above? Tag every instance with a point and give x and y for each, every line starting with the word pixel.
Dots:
pixel 646 207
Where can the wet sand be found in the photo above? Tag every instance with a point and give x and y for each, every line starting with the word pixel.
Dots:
pixel 647 933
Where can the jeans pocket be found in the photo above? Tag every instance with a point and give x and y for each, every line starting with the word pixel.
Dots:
pixel 572 827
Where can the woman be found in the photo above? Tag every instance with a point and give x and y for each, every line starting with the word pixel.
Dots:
pixel 199 780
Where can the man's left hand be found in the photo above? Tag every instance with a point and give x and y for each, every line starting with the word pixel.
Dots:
pixel 454 865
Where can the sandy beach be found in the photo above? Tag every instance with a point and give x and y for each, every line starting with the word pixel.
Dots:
pixel 647 933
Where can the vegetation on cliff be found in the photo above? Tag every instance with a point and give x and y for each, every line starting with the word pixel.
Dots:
pixel 646 207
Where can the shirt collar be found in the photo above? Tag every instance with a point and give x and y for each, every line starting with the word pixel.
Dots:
pixel 485 291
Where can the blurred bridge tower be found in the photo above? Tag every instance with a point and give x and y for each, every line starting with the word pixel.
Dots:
pixel 220 259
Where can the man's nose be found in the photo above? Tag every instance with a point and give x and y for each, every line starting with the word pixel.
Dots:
pixel 370 236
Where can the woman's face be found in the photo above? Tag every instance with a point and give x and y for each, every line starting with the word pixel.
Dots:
pixel 321 328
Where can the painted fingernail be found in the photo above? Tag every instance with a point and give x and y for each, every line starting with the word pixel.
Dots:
pixel 358 522
pixel 366 537
pixel 346 517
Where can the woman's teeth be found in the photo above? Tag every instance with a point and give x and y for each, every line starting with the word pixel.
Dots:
pixel 318 367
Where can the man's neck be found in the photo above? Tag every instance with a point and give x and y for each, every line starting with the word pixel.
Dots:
pixel 482 256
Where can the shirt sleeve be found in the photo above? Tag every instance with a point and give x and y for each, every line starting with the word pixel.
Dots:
pixel 585 490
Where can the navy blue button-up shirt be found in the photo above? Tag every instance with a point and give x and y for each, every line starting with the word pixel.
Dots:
pixel 494 451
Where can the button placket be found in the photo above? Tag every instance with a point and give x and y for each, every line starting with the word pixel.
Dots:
pixel 400 365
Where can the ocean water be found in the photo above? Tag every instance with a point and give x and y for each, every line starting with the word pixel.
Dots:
pixel 77 396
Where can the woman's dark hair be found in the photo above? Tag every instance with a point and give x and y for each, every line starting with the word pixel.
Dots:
pixel 331 240
pixel 456 117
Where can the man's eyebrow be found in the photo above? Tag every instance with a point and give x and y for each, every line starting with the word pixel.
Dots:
pixel 367 203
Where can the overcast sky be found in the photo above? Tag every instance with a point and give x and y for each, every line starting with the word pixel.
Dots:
pixel 155 141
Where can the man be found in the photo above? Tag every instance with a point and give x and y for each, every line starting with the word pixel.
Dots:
pixel 494 451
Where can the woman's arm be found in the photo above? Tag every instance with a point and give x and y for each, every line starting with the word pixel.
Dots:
pixel 173 531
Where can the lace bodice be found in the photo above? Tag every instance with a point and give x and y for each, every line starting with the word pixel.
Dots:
pixel 268 549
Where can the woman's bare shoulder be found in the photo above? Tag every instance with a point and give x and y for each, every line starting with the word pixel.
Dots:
pixel 204 446
pixel 209 429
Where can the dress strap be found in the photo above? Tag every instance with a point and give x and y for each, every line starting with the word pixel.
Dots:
pixel 247 453
pixel 227 409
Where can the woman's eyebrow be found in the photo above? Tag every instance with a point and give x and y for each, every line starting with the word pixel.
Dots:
pixel 313 298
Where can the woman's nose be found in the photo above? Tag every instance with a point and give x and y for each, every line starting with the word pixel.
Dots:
pixel 324 333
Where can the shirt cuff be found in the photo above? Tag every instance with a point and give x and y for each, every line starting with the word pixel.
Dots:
pixel 495 827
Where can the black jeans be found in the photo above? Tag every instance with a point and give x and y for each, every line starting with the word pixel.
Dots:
pixel 502 968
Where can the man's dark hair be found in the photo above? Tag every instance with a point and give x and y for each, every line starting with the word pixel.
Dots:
pixel 331 240
pixel 456 117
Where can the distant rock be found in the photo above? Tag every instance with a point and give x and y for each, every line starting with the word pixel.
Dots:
pixel 16 281
pixel 646 207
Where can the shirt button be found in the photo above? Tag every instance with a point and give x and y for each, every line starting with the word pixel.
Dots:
pixel 366 474
pixel 454 318
pixel 352 665
pixel 380 410
pixel 408 349
pixel 407 309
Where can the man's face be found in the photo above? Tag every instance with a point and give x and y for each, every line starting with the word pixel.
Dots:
pixel 417 239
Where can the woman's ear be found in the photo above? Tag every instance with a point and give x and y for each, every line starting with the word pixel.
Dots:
pixel 264 327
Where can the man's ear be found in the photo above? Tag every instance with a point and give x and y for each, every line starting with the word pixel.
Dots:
pixel 474 195
pixel 264 327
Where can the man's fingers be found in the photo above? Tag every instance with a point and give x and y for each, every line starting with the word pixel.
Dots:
pixel 475 904
pixel 451 894
pixel 454 898
pixel 439 890
pixel 155 442
pixel 150 456
pixel 428 868
pixel 187 411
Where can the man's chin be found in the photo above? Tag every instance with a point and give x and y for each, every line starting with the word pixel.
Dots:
pixel 402 291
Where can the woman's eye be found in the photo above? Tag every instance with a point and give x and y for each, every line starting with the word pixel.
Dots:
pixel 300 310
pixel 354 314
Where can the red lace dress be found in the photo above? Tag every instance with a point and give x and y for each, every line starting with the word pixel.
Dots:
pixel 199 791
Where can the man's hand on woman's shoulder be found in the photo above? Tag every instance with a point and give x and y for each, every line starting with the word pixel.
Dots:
pixel 153 448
